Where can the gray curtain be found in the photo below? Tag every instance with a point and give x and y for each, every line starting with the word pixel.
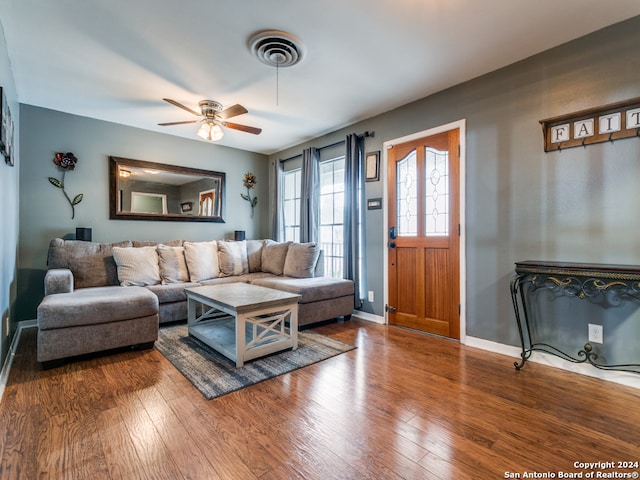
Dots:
pixel 277 203
pixel 353 216
pixel 309 195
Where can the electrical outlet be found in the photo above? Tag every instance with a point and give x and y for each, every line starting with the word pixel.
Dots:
pixel 371 295
pixel 596 334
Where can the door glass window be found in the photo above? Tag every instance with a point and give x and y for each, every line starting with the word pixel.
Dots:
pixel 407 195
pixel 436 221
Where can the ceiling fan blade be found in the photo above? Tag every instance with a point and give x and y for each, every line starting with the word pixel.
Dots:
pixel 179 105
pixel 166 124
pixel 242 128
pixel 233 111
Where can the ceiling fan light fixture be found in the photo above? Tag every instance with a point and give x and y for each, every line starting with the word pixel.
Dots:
pixel 210 131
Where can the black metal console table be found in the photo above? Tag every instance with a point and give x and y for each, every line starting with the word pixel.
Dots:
pixel 581 280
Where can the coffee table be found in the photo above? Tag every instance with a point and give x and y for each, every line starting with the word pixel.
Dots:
pixel 243 321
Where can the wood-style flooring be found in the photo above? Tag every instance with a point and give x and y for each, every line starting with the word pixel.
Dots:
pixel 402 405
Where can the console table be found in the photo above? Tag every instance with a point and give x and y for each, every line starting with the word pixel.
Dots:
pixel 580 280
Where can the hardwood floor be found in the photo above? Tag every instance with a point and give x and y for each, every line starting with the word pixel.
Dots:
pixel 402 405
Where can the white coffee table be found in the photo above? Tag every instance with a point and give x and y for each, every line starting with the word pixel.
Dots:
pixel 243 321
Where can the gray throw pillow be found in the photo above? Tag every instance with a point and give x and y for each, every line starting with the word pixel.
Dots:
pixel 274 255
pixel 173 267
pixel 301 260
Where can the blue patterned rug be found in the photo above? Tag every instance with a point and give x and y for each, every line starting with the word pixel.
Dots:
pixel 214 375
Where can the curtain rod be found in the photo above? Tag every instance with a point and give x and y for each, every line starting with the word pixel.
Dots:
pixel 363 135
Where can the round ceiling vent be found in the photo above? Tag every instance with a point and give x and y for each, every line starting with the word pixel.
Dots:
pixel 276 48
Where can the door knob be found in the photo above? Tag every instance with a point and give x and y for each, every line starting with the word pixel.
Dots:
pixel 392 244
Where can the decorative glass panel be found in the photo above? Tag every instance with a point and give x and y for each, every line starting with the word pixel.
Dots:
pixel 407 195
pixel 436 192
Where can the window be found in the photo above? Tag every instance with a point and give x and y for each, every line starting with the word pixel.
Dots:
pixel 291 204
pixel 331 220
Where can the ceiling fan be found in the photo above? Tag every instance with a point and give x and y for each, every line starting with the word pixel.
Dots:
pixel 213 119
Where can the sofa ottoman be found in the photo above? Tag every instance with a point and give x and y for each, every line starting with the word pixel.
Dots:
pixel 94 319
pixel 322 297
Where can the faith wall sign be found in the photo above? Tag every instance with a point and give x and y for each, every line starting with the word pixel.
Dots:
pixel 595 125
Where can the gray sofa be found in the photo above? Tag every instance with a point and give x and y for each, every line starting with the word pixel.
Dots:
pixel 100 296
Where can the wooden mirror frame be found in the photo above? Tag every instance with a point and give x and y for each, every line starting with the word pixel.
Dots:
pixel 116 163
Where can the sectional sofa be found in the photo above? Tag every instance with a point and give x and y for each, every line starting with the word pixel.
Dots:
pixel 100 296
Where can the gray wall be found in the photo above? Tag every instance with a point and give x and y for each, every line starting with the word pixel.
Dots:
pixel 9 221
pixel 523 203
pixel 45 213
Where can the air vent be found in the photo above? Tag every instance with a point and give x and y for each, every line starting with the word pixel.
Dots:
pixel 276 48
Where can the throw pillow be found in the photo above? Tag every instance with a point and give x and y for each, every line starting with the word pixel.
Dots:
pixel 233 258
pixel 254 253
pixel 202 260
pixel 274 255
pixel 137 266
pixel 173 266
pixel 301 260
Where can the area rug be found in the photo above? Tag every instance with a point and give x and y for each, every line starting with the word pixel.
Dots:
pixel 214 375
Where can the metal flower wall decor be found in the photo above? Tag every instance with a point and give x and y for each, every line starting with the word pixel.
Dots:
pixel 66 162
pixel 250 181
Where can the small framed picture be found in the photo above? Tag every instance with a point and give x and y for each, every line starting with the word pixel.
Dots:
pixel 186 206
pixel 372 166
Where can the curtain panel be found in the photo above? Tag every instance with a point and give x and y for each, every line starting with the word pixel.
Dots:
pixel 310 195
pixel 277 203
pixel 354 254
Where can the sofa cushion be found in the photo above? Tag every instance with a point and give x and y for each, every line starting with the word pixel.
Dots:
pixel 146 243
pixel 90 306
pixel 254 254
pixel 246 278
pixel 173 267
pixel 92 263
pixel 311 289
pixel 171 292
pixel 233 258
pixel 137 266
pixel 301 260
pixel 274 255
pixel 202 260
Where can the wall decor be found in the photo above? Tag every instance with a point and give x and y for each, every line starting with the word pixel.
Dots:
pixel 594 125
pixel 66 162
pixel 179 187
pixel 250 181
pixel 372 166
pixel 6 129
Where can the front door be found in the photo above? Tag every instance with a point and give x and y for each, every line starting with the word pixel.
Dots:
pixel 424 234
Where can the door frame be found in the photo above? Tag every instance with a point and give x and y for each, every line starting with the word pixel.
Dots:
pixel 460 125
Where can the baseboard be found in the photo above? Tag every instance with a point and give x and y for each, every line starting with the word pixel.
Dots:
pixel 623 378
pixel 370 317
pixel 6 368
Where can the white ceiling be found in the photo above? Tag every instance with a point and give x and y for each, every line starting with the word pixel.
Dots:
pixel 115 60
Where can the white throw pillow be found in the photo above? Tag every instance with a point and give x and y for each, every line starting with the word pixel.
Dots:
pixel 233 258
pixel 173 267
pixel 202 260
pixel 137 266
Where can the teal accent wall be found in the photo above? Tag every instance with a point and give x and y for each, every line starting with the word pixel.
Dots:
pixel 9 219
pixel 523 203
pixel 45 213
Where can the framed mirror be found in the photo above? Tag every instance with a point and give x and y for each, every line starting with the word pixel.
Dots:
pixel 140 190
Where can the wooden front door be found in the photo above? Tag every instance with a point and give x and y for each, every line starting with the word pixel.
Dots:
pixel 424 234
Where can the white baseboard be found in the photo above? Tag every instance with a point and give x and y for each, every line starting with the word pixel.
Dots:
pixel 369 317
pixel 623 378
pixel 6 368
